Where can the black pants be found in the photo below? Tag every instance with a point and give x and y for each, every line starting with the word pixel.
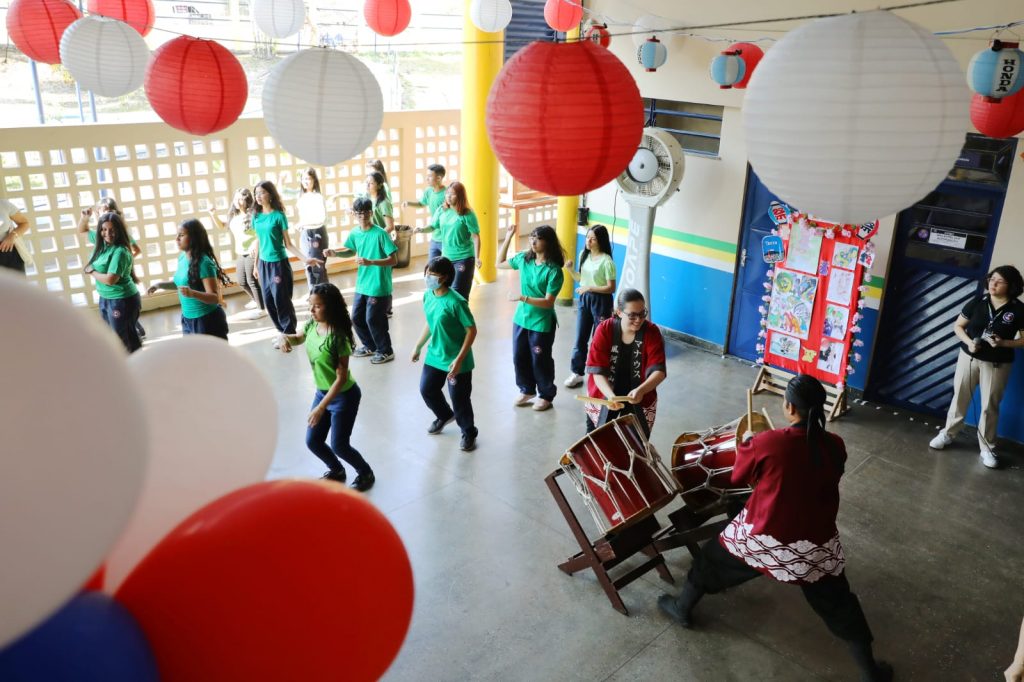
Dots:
pixel 593 310
pixel 12 259
pixel 213 323
pixel 715 569
pixel 313 243
pixel 432 382
pixel 339 420
pixel 370 322
pixel 276 282
pixel 122 314
pixel 251 286
pixel 464 270
pixel 535 368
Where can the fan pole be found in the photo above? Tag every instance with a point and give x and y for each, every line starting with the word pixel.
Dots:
pixel 636 269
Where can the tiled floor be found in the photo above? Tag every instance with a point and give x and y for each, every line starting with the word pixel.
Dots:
pixel 933 539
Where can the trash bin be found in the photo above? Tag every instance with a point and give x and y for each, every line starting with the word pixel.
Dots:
pixel 403 241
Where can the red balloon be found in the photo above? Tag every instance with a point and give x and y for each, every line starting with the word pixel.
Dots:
pixel 196 85
pixel 387 17
pixel 139 14
pixel 563 15
pixel 1002 118
pixel 282 580
pixel 35 27
pixel 751 54
pixel 564 118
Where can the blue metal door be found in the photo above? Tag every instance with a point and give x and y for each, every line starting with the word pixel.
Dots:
pixel 745 321
pixel 941 254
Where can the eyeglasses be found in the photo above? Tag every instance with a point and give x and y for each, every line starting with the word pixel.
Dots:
pixel 633 317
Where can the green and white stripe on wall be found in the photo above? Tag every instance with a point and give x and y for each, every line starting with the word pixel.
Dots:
pixel 710 253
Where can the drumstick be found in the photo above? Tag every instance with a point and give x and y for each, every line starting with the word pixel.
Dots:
pixel 750 408
pixel 768 419
pixel 602 401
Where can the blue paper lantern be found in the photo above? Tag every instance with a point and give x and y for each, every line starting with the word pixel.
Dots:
pixel 728 69
pixel 652 54
pixel 995 73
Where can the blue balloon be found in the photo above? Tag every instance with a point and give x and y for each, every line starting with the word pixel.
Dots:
pixel 91 639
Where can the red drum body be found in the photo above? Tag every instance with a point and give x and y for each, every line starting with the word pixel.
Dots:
pixel 702 464
pixel 619 474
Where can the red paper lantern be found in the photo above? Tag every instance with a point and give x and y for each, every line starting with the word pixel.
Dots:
pixel 196 85
pixel 387 17
pixel 139 14
pixel 563 15
pixel 598 33
pixel 35 27
pixel 1002 118
pixel 750 54
pixel 564 118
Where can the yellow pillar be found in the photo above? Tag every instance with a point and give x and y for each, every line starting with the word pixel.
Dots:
pixel 566 225
pixel 481 62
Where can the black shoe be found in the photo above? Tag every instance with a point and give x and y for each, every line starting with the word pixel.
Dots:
pixel 883 672
pixel 363 482
pixel 670 607
pixel 468 443
pixel 438 424
pixel 338 476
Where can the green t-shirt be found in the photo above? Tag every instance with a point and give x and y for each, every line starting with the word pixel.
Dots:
pixel 597 270
pixel 381 210
pixel 270 229
pixel 455 230
pixel 318 352
pixel 374 244
pixel 193 308
pixel 115 260
pixel 536 280
pixel 447 316
pixel 91 238
pixel 433 199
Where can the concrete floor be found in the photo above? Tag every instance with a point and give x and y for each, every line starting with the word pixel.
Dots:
pixel 930 540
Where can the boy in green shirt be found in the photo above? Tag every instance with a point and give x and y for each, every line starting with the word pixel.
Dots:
pixel 431 199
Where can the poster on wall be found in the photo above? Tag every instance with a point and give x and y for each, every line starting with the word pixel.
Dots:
pixel 830 357
pixel 792 303
pixel 785 347
pixel 845 256
pixel 840 286
pixel 804 247
pixel 836 321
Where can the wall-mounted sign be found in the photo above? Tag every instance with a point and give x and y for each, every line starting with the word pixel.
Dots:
pixel 773 249
pixel 952 240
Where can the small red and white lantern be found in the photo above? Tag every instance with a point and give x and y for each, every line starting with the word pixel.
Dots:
pixel 598 33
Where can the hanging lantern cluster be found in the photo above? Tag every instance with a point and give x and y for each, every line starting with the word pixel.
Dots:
pixel 995 73
pixel 139 14
pixel 652 54
pixel 105 56
pixel 598 33
pixel 563 15
pixel 490 16
pixel 196 85
pixel 279 18
pixel 1000 119
pixel 734 67
pixel 387 17
pixel 36 27
pixel 530 120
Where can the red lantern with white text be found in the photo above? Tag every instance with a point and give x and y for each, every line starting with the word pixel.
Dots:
pixel 387 17
pixel 598 33
pixel 563 15
pixel 564 118
pixel 36 26
pixel 1000 118
pixel 196 85
pixel 139 14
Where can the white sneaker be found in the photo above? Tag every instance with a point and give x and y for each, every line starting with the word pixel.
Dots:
pixel 250 305
pixel 523 399
pixel 940 441
pixel 542 405
pixel 573 381
pixel 256 314
pixel 989 459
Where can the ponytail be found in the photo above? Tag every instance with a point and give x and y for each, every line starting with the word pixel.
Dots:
pixel 807 396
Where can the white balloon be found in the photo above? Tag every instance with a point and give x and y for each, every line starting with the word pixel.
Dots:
pixel 855 117
pixel 279 18
pixel 104 55
pixel 322 106
pixel 73 455
pixel 490 16
pixel 213 429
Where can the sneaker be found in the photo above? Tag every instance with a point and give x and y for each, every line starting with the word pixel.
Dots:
pixel 276 344
pixel 363 482
pixel 523 399
pixel 338 476
pixel 438 424
pixel 541 405
pixel 573 381
pixel 362 352
pixel 989 459
pixel 381 358
pixel 940 441
pixel 250 305
pixel 468 443
pixel 670 607
pixel 256 314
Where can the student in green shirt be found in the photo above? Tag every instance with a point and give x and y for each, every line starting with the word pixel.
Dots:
pixel 596 288
pixel 383 211
pixel 377 166
pixel 197 281
pixel 111 268
pixel 431 199
pixel 451 330
pixel 328 339
pixel 375 254
pixel 533 326
pixel 460 236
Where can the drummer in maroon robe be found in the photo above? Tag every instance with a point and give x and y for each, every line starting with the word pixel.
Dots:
pixel 787 529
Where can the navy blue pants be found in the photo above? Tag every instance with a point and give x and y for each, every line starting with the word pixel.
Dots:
pixel 276 282
pixel 339 420
pixel 535 368
pixel 593 310
pixel 464 270
pixel 313 243
pixel 432 382
pixel 122 314
pixel 435 250
pixel 12 259
pixel 213 323
pixel 370 322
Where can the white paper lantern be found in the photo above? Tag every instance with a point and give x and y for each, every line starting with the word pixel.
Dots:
pixel 279 18
pixel 647 25
pixel 322 106
pixel 855 117
pixel 490 16
pixel 104 55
